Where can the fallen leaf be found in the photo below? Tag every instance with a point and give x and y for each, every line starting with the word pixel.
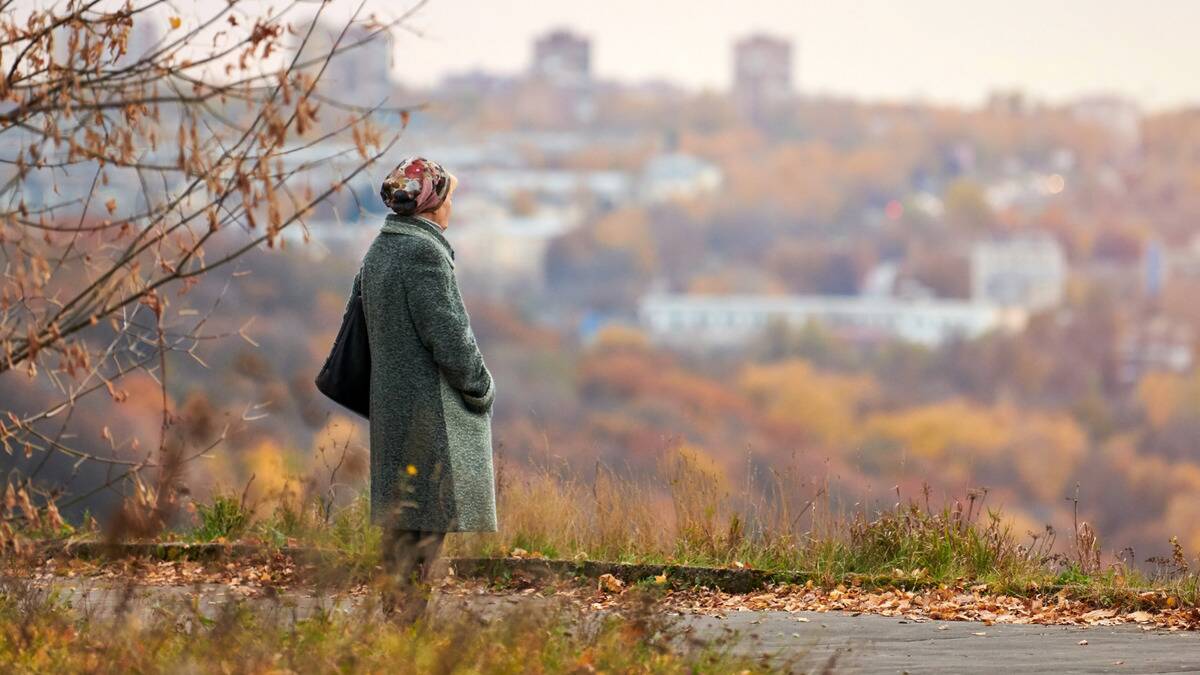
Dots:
pixel 611 584
pixel 1098 615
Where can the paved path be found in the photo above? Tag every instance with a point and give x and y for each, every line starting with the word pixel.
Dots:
pixel 877 644
pixel 850 644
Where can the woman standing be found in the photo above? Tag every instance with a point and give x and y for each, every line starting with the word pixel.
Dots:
pixel 431 394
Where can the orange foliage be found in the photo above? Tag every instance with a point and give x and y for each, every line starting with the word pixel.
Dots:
pixel 934 431
pixel 794 394
pixel 1165 396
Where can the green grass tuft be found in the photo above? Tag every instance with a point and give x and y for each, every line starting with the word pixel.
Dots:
pixel 225 517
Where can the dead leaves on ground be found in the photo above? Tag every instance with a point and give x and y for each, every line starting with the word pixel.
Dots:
pixel 941 604
pixel 972 603
pixel 246 577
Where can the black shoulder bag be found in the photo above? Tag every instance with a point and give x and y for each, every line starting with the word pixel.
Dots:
pixel 346 375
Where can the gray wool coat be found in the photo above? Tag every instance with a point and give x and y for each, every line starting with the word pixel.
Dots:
pixel 431 394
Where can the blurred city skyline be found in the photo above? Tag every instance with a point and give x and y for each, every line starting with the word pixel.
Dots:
pixel 929 50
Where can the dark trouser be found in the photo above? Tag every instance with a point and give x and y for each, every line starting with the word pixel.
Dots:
pixel 408 558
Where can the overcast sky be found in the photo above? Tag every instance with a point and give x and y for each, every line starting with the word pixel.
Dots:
pixel 953 51
pixel 938 50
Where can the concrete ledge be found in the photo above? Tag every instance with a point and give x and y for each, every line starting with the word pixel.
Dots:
pixel 519 570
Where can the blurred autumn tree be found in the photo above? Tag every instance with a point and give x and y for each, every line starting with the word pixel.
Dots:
pixel 967 207
pixel 140 152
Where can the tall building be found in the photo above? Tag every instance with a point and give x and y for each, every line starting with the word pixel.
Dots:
pixel 762 72
pixel 360 73
pixel 562 58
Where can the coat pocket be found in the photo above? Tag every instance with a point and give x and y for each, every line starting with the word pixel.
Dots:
pixel 469 440
pixel 469 430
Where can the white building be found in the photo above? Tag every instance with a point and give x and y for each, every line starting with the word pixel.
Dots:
pixel 1028 271
pixel 1158 344
pixel 558 186
pixel 506 250
pixel 663 178
pixel 1023 189
pixel 676 175
pixel 727 320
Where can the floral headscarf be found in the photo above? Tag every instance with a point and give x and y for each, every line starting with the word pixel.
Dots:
pixel 416 185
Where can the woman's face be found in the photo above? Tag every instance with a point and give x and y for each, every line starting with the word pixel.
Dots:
pixel 441 215
pixel 450 194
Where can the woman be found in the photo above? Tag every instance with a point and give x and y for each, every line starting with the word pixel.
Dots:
pixel 431 394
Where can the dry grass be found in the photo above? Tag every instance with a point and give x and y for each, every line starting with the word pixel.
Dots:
pixel 686 513
pixel 39 634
